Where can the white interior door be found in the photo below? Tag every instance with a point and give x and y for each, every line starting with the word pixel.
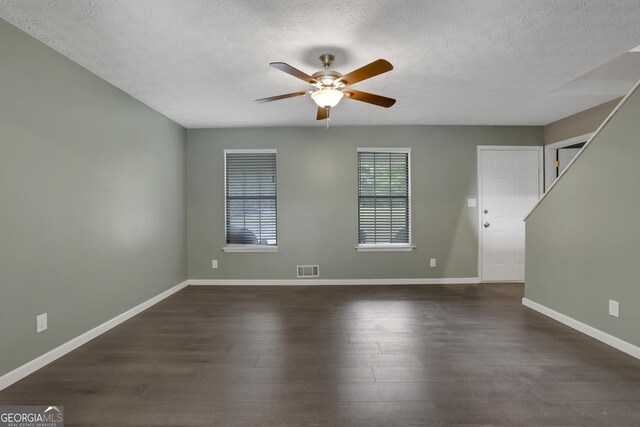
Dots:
pixel 509 188
pixel 565 155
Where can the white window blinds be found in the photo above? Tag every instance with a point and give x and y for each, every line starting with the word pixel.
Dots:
pixel 251 196
pixel 383 197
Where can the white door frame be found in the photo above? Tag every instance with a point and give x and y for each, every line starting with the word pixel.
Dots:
pixel 481 148
pixel 549 157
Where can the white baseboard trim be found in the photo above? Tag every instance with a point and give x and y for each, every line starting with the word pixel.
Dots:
pixel 333 282
pixel 30 367
pixel 614 342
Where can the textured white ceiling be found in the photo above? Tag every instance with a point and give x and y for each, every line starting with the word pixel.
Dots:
pixel 202 63
pixel 616 77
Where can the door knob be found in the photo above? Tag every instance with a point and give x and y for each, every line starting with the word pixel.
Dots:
pixel 486 225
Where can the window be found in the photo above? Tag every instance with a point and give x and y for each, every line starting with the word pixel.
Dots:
pixel 384 199
pixel 251 200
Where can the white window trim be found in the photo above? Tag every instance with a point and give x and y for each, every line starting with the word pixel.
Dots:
pixel 391 247
pixel 250 151
pixel 385 247
pixel 238 247
pixel 383 150
pixel 249 248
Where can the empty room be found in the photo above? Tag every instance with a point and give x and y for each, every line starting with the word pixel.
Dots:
pixel 292 213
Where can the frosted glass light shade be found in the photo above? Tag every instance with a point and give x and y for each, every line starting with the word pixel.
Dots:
pixel 327 97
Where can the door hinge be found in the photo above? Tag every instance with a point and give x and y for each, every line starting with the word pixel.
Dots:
pixel 556 164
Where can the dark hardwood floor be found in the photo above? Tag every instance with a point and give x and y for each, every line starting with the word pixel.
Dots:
pixel 340 356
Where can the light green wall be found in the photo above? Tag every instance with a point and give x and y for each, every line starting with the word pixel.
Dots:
pixel 583 240
pixel 92 199
pixel 578 124
pixel 317 200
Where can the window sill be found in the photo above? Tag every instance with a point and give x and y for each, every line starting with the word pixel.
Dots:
pixel 250 248
pixel 385 248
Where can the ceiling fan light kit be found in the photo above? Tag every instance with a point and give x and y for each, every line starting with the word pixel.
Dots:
pixel 329 86
pixel 327 98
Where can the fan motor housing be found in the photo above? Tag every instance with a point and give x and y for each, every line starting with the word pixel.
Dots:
pixel 327 77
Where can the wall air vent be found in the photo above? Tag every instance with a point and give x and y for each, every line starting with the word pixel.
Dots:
pixel 308 271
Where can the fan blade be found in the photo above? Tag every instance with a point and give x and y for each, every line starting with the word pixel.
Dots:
pixel 293 71
pixel 370 70
pixel 275 98
pixel 381 101
pixel 323 113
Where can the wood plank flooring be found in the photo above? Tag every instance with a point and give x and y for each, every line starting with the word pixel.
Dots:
pixel 340 356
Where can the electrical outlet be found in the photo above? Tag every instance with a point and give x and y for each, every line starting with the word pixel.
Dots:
pixel 614 308
pixel 214 263
pixel 432 262
pixel 41 323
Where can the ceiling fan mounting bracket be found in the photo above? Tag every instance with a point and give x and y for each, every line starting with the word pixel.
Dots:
pixel 327 60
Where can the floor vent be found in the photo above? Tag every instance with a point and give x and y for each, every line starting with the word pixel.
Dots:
pixel 308 271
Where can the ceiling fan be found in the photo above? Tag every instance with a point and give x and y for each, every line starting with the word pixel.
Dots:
pixel 330 86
